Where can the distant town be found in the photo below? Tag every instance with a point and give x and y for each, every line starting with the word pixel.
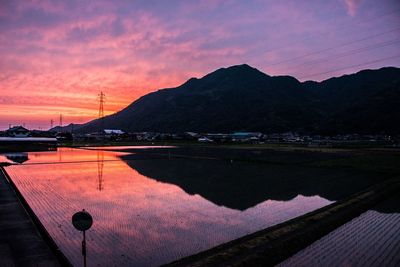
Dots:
pixel 18 134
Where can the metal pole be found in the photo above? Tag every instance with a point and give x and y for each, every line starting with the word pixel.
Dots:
pixel 82 221
pixel 84 249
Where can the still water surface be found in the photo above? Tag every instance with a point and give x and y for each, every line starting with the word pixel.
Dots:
pixel 149 212
pixel 371 239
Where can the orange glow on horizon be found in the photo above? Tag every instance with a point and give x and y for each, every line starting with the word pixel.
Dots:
pixel 77 102
pixel 56 56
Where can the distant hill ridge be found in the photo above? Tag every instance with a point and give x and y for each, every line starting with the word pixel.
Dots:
pixel 242 98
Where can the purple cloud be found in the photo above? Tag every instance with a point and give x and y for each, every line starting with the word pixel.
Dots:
pixel 130 48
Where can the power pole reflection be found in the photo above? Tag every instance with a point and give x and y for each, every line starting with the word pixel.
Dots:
pixel 100 166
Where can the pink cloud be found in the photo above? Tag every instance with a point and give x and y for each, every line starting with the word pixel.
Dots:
pixel 65 52
pixel 352 6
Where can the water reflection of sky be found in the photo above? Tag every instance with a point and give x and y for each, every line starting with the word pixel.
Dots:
pixel 137 220
pixel 124 147
pixel 3 158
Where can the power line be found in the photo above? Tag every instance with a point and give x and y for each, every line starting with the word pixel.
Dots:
pixel 333 47
pixel 343 26
pixel 348 67
pixel 347 53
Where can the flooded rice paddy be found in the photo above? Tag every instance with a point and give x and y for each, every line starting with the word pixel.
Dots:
pixel 372 239
pixel 149 212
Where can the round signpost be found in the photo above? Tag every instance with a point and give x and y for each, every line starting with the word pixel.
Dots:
pixel 82 221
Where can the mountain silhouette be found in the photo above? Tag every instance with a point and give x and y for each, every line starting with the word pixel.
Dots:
pixel 242 98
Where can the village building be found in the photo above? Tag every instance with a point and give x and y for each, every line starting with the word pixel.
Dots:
pixel 18 131
pixel 246 136
pixel 113 132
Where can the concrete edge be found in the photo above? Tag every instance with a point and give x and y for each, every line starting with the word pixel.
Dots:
pixel 62 259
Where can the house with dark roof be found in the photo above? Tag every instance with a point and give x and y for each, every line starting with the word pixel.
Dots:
pixel 18 131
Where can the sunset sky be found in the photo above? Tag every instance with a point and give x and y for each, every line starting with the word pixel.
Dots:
pixel 56 56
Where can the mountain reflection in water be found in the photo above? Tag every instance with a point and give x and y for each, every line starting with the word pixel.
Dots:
pixel 242 185
pixel 17 157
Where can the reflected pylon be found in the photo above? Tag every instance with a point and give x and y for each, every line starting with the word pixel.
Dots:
pixel 100 166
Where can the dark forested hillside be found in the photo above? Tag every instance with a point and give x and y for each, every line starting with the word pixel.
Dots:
pixel 241 98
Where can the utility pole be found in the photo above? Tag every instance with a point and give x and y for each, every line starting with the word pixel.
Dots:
pixel 61 119
pixel 51 124
pixel 101 111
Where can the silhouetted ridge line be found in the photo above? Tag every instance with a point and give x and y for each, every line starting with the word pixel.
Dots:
pixel 242 98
